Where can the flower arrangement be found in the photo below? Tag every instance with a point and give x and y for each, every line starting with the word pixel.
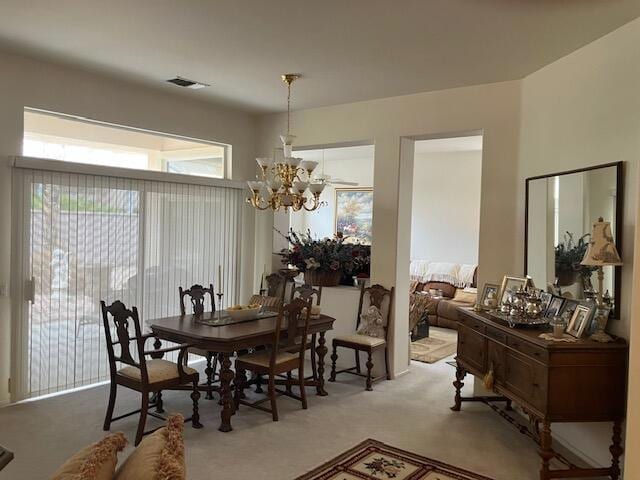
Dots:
pixel 568 255
pixel 328 255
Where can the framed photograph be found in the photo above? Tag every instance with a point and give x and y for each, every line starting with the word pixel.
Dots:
pixel 354 214
pixel 511 283
pixel 546 300
pixel 568 307
pixel 579 321
pixel 489 288
pixel 554 307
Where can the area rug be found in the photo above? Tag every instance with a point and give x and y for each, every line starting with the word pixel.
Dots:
pixel 441 343
pixel 375 460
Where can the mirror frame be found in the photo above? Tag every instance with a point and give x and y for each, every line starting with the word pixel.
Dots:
pixel 617 278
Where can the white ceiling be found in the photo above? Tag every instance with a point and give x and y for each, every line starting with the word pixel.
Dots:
pixel 347 50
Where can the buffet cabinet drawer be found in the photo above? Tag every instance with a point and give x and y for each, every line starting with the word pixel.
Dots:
pixel 472 323
pixel 538 353
pixel 472 348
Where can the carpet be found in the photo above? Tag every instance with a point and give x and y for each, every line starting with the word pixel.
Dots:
pixel 375 460
pixel 441 343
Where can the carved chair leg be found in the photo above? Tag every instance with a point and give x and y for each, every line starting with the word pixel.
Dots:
pixel 209 372
pixel 272 397
pixel 334 358
pixel 240 381
pixel 369 369
pixel 259 382
pixel 314 365
pixel 159 404
pixel 195 396
pixel 289 383
pixel 110 406
pixel 358 368
pixel 458 383
pixel 143 417
pixel 386 362
pixel 303 393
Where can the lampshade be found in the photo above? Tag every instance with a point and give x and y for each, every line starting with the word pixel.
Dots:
pixel 602 249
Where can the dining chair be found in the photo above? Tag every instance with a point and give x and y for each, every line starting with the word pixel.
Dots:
pixel 142 375
pixel 307 292
pixel 376 296
pixel 197 295
pixel 286 353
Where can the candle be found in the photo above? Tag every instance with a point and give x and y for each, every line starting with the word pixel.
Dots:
pixel 219 278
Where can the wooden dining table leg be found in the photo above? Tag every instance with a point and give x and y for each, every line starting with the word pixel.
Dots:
pixel 226 376
pixel 321 351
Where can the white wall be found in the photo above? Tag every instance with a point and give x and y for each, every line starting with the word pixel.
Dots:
pixel 32 83
pixel 584 110
pixel 445 219
pixel 493 109
pixel 340 164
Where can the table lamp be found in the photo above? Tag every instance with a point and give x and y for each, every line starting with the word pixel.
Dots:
pixel 601 253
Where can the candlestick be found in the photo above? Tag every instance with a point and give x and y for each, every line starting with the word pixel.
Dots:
pixel 220 279
pixel 219 295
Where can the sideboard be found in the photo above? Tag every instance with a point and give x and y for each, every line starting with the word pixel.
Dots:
pixel 583 381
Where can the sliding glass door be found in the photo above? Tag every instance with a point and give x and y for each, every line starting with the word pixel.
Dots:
pixel 86 238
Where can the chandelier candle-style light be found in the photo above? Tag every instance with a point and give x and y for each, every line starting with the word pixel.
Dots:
pixel 286 182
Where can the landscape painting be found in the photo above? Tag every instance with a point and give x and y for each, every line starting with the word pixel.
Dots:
pixel 354 214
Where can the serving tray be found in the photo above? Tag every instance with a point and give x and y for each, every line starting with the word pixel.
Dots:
pixel 515 322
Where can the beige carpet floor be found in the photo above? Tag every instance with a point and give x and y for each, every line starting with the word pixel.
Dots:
pixel 441 343
pixel 411 413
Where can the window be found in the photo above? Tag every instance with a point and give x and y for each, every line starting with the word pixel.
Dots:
pixel 86 238
pixel 69 139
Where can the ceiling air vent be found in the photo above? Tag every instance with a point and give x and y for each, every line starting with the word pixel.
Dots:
pixel 186 83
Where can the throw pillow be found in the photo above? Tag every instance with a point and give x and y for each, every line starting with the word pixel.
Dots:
pixel 371 323
pixel 160 456
pixel 464 296
pixel 96 462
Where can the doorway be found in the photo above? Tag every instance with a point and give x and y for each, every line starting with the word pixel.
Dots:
pixel 445 224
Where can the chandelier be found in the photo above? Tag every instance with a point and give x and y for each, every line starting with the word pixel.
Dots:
pixel 286 182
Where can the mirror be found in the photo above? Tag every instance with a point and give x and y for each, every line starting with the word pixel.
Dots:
pixel 560 211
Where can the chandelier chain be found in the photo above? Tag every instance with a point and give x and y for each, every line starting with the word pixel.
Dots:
pixel 288 108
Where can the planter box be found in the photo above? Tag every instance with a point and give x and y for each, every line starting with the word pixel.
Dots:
pixel 322 279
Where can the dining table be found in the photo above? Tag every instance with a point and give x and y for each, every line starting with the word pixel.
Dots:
pixel 212 333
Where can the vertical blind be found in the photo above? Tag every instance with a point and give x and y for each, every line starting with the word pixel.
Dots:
pixel 87 238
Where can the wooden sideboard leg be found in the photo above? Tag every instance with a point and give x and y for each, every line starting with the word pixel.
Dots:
pixel 460 374
pixel 321 351
pixel 226 376
pixel 616 449
pixel 546 452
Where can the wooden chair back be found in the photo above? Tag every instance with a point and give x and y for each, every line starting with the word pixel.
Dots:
pixel 379 297
pixel 273 304
pixel 197 294
pixel 297 315
pixel 124 321
pixel 306 292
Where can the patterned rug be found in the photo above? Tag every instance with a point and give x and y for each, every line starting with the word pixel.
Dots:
pixel 375 460
pixel 440 343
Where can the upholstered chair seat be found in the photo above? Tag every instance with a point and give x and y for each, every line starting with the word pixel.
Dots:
pixel 158 370
pixel 359 340
pixel 262 358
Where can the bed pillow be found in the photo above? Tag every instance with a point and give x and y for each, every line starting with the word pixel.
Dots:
pixel 160 456
pixel 96 461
